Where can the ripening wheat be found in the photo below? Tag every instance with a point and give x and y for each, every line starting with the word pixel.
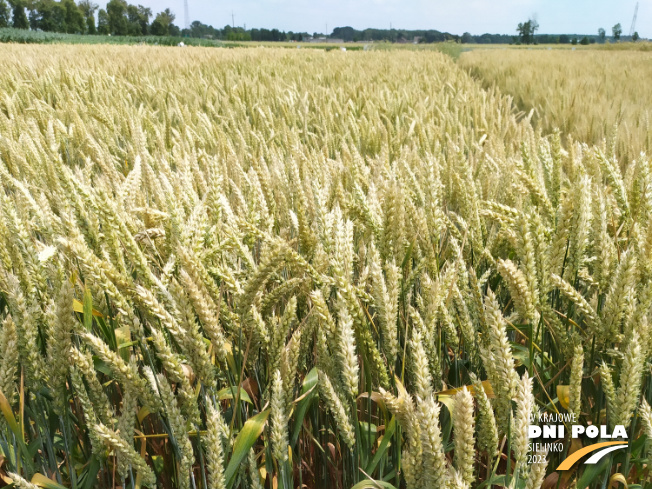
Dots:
pixel 265 268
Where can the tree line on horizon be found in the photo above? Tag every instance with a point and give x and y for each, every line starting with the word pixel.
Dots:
pixel 119 18
pixel 527 35
pixel 67 16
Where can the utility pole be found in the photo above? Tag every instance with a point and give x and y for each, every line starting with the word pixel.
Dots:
pixel 185 11
pixel 632 29
pixel 232 20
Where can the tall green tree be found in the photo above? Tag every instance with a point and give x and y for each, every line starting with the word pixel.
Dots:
pixel 103 22
pixel 467 38
pixel 635 37
pixel 617 30
pixel 52 16
pixel 4 14
pixel 526 31
pixel 19 17
pixel 89 8
pixel 117 17
pixel 74 17
pixel 47 15
pixel 602 35
pixel 138 17
pixel 175 31
pixel 162 23
pixel 144 16
pixel 34 17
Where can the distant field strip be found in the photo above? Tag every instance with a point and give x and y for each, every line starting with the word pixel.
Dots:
pixel 589 94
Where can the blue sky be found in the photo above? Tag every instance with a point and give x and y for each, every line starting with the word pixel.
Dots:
pixel 456 16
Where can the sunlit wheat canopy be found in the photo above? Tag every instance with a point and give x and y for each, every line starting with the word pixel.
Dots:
pixel 270 267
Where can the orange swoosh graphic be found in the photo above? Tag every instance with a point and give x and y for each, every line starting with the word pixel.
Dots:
pixel 570 461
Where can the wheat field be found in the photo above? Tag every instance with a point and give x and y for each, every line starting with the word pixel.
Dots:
pixel 592 95
pixel 254 268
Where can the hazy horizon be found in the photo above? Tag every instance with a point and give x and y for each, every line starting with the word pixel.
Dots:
pixel 474 16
